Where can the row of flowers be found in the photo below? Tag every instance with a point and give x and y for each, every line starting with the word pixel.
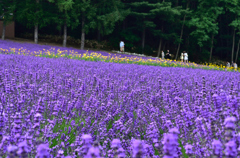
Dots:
pixel 94 56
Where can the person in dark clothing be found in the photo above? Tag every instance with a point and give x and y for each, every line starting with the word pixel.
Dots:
pixel 168 55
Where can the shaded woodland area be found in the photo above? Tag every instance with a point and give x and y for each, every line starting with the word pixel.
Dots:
pixel 206 29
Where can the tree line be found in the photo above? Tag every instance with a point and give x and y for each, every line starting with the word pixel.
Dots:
pixel 204 28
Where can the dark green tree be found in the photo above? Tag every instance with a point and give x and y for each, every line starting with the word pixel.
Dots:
pixel 144 18
pixel 64 7
pixel 32 14
pixel 184 13
pixel 84 10
pixel 233 8
pixel 204 20
pixel 107 15
pixel 205 28
pixel 166 15
pixel 7 8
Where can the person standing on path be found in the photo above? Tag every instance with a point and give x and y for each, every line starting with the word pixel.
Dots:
pixel 185 57
pixel 235 66
pixel 228 65
pixel 163 54
pixel 168 55
pixel 181 57
pixel 121 46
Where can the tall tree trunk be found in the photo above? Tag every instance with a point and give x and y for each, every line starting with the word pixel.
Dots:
pixel 221 33
pixel 83 33
pixel 143 38
pixel 233 45
pixel 180 37
pixel 60 31
pixel 188 42
pixel 36 33
pixel 3 30
pixel 179 44
pixel 159 48
pixel 210 58
pixel 36 27
pixel 160 44
pixel 65 34
pixel 99 35
pixel 237 51
pixel 222 45
pixel 200 51
pixel 227 40
pixel 164 45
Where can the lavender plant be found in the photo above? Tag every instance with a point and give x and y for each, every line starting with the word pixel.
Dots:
pixel 61 107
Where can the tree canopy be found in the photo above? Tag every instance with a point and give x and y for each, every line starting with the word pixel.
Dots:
pixel 206 29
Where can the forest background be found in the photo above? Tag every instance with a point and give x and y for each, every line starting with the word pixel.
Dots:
pixel 206 29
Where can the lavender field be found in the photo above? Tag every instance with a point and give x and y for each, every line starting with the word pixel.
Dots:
pixel 71 108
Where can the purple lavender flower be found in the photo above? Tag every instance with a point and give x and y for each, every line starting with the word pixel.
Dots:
pixel 43 151
pixel 86 144
pixel 121 153
pixel 188 149
pixel 217 148
pixel 137 149
pixel 231 149
pixel 175 132
pixel 60 154
pixel 87 139
pixel 229 128
pixel 229 123
pixel 169 145
pixel 93 152
pixel 12 151
pixel 116 145
pixel 23 149
pixel 149 151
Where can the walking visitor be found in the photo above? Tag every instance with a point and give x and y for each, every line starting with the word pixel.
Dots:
pixel 122 46
pixel 228 65
pixel 168 55
pixel 181 57
pixel 185 57
pixel 235 66
pixel 162 54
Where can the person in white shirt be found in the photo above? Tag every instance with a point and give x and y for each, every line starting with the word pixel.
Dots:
pixel 185 57
pixel 181 57
pixel 121 46
pixel 228 65
pixel 235 66
pixel 163 54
